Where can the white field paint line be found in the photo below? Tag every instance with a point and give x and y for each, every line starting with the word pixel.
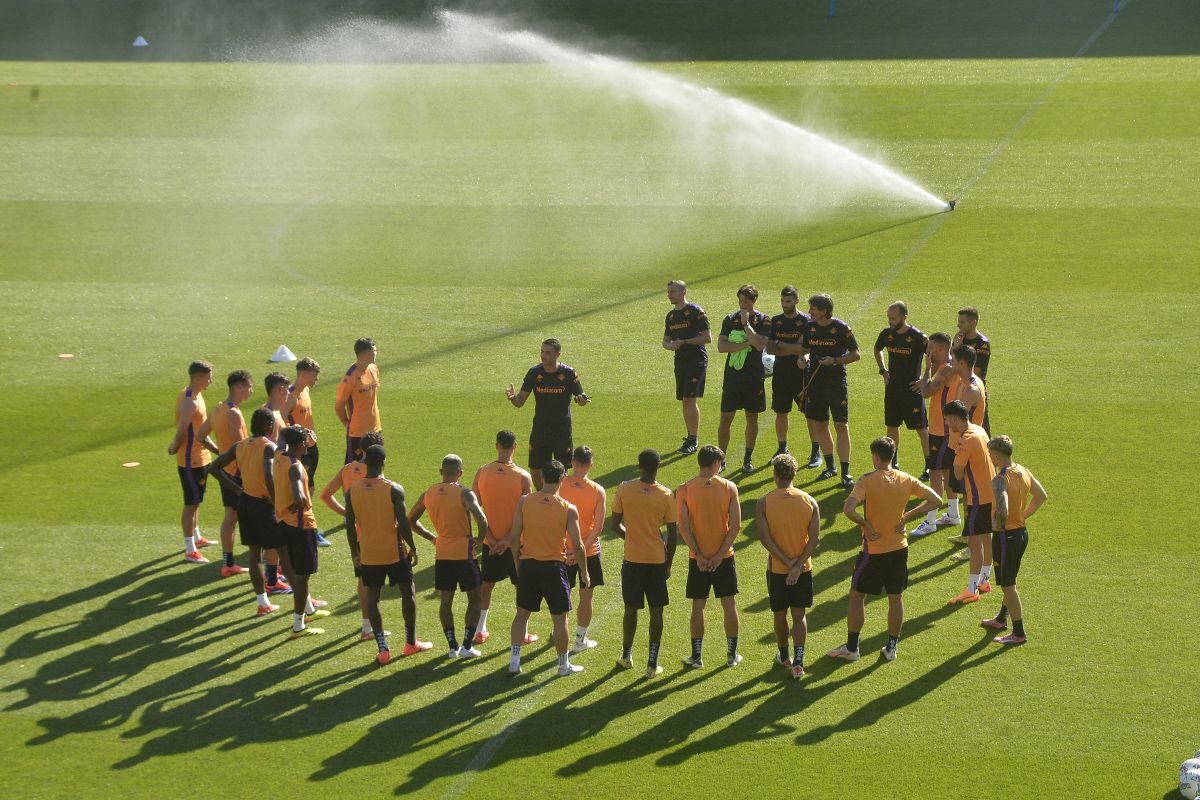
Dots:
pixel 512 720
pixel 894 272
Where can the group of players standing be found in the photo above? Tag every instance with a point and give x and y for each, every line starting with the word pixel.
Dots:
pixel 541 529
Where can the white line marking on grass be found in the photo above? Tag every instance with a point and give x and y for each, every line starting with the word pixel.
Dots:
pixel 934 224
pixel 515 716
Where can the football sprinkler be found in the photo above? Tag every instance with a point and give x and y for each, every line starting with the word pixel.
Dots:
pixel 950 204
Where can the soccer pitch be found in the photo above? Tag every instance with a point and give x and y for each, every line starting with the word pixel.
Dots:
pixel 155 213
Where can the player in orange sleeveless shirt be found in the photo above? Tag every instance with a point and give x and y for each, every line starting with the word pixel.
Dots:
pixel 640 510
pixel 357 403
pixel 1018 497
pixel 297 410
pixel 789 526
pixel 346 477
pixel 542 524
pixel 971 391
pixel 499 486
pixel 589 500
pixel 229 426
pixel 973 468
pixel 192 455
pixel 883 563
pixel 254 458
pixel 275 384
pixel 939 386
pixel 710 517
pixel 451 506
pixel 294 515
pixel 382 546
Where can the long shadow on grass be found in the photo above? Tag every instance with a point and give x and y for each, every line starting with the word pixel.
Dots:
pixel 973 656
pixel 429 725
pixel 772 700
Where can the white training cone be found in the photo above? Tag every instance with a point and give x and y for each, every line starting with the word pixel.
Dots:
pixel 283 354
pixel 140 42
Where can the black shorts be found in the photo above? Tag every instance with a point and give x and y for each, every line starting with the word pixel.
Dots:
pixel 827 398
pixel 543 449
pixel 1007 551
pixel 229 498
pixel 543 580
pixel 193 480
pixel 395 574
pixel 977 520
pixel 301 548
pixel 494 569
pixel 644 583
pixel 743 394
pixel 256 523
pixel 689 378
pixel 310 459
pixel 595 572
pixel 903 406
pixel 786 386
pixel 462 574
pixel 783 597
pixel 940 454
pixel 874 573
pixel 722 582
pixel 351 448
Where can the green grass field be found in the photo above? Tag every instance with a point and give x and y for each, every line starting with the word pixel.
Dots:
pixel 155 213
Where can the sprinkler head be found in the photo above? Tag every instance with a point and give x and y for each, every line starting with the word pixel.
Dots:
pixel 951 204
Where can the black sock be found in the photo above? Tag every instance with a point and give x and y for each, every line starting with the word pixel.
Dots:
pixel 1002 614
pixel 450 640
pixel 845 469
pixel 816 451
pixel 749 455
pixel 783 653
pixel 468 638
pixel 381 640
pixel 829 462
pixel 892 642
pixel 895 462
pixel 1019 627
pixel 272 573
pixel 852 641
pixel 627 653
pixel 731 646
pixel 697 648
pixel 410 634
pixel 228 558
pixel 653 661
pixel 783 445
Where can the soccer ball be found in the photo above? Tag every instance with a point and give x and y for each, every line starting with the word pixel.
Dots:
pixel 1191 765
pixel 768 362
pixel 1189 784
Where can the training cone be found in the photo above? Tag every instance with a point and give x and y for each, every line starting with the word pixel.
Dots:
pixel 283 354
pixel 140 42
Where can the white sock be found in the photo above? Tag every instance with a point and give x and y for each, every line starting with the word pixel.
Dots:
pixel 931 517
pixel 562 660
pixel 972 584
pixel 953 502
pixel 366 628
pixel 297 622
pixel 196 532
pixel 189 544
pixel 482 627
pixel 308 606
pixel 985 573
pixel 580 633
pixel 262 599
